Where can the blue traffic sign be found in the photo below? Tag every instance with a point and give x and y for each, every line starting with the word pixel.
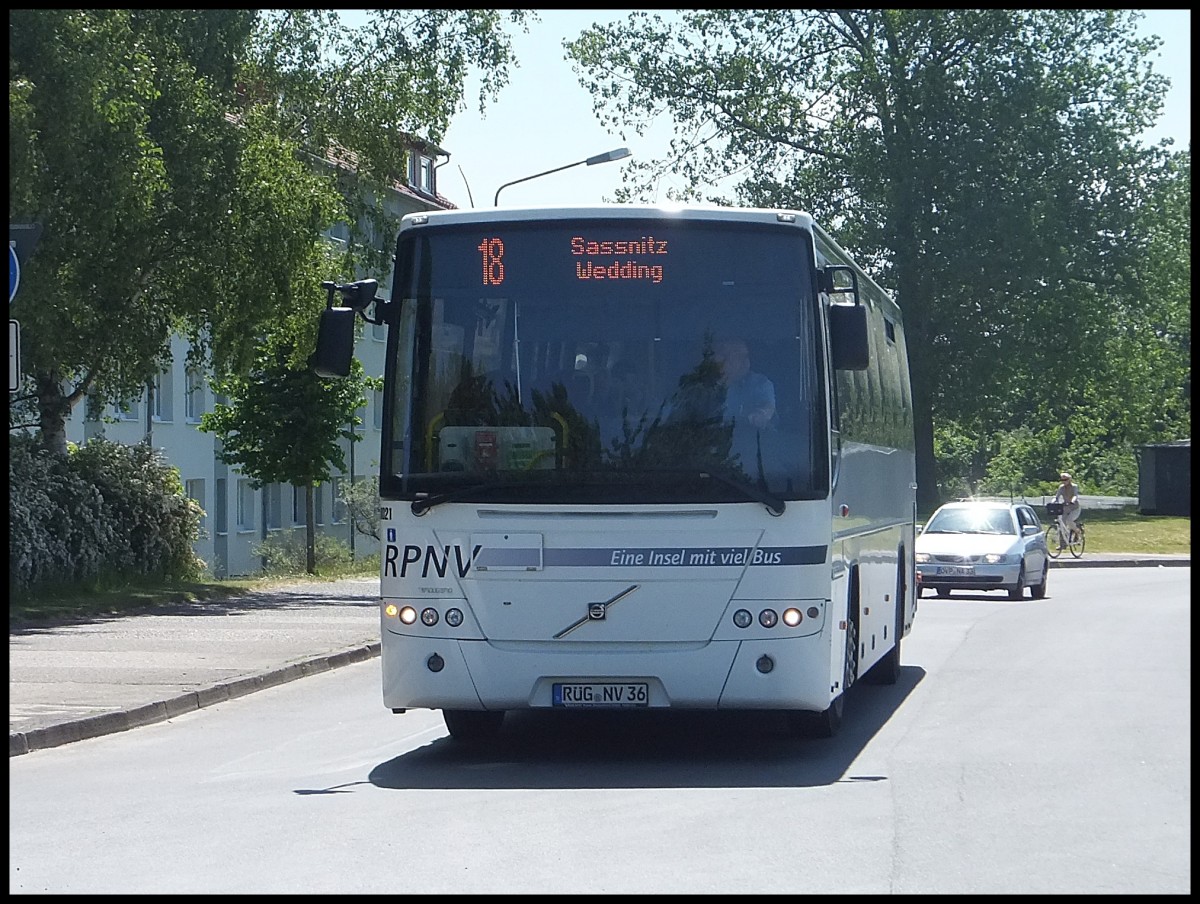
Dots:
pixel 14 272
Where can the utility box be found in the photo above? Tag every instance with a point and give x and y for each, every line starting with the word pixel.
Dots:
pixel 1165 478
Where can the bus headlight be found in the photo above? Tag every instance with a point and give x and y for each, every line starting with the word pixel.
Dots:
pixel 429 617
pixel 408 615
pixel 454 617
pixel 768 618
pixel 742 618
pixel 792 617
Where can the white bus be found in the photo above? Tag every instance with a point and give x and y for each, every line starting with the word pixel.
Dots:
pixel 572 518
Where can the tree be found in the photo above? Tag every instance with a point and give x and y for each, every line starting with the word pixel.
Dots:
pixel 284 424
pixel 176 160
pixel 982 163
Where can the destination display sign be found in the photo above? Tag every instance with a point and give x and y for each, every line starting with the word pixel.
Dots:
pixel 595 257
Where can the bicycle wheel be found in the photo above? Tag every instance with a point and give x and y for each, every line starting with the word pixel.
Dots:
pixel 1052 546
pixel 1075 544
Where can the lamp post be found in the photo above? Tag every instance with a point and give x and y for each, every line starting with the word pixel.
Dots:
pixel 617 154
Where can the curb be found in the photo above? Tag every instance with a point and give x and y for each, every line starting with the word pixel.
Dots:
pixel 1123 563
pixel 21 742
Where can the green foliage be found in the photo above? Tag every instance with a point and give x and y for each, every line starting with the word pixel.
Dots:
pixel 177 161
pixel 984 165
pixel 361 499
pixel 103 512
pixel 283 424
pixel 286 553
pixel 958 458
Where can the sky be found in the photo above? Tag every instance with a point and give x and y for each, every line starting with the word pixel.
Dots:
pixel 544 119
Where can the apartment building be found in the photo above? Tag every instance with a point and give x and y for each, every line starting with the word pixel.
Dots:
pixel 238 517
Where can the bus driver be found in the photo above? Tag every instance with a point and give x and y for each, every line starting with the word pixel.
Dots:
pixel 749 396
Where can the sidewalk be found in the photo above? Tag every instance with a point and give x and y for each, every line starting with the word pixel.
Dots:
pixel 82 680
pixel 95 677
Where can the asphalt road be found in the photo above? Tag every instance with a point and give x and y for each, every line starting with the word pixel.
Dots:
pixel 81 680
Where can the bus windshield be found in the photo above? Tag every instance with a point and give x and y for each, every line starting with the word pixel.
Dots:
pixel 605 361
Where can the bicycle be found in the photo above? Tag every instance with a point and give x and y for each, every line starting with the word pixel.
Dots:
pixel 1059 538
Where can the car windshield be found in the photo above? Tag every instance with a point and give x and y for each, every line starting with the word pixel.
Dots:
pixel 971 521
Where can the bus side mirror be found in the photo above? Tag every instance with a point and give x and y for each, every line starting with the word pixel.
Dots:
pixel 848 336
pixel 335 343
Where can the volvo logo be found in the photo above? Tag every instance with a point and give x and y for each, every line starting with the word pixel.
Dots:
pixel 596 611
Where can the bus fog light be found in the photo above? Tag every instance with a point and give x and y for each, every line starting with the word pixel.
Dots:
pixel 435 663
pixel 454 617
pixel 408 615
pixel 742 618
pixel 792 617
pixel 768 618
pixel 765 663
pixel 814 612
pixel 429 617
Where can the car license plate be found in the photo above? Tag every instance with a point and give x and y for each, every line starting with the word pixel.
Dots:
pixel 957 570
pixel 602 693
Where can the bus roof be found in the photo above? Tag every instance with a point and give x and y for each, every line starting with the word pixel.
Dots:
pixel 711 213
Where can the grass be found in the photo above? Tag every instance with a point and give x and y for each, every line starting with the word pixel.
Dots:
pixel 1127 531
pixel 1108 530
pixel 1121 530
pixel 108 598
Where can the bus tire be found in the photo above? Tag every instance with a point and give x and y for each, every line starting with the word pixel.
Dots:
pixel 473 726
pixel 818 725
pixel 825 724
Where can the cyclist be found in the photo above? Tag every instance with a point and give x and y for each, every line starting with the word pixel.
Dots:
pixel 1068 495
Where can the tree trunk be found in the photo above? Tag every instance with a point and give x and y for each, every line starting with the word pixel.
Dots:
pixel 53 410
pixel 310 531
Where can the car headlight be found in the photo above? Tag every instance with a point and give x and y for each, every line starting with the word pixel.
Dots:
pixel 996 558
pixel 923 558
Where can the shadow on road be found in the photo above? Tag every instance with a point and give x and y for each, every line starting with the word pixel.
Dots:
pixel 541 749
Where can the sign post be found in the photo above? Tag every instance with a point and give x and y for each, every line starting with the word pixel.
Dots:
pixel 14 355
pixel 22 239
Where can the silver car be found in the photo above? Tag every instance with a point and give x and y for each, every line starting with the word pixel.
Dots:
pixel 975 545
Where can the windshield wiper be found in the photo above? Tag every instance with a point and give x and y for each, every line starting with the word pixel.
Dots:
pixel 425 503
pixel 773 503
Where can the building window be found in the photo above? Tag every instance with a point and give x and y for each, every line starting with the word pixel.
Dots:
pixel 195 491
pixel 377 409
pixel 274 507
pixel 245 505
pixel 162 396
pixel 340 511
pixel 421 172
pixel 194 400
pixel 298 505
pixel 129 411
pixel 319 492
pixel 222 506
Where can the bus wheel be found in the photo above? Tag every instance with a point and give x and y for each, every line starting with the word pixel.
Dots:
pixel 473 726
pixel 818 725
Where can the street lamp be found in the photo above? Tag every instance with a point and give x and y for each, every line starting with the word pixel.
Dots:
pixel 618 154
